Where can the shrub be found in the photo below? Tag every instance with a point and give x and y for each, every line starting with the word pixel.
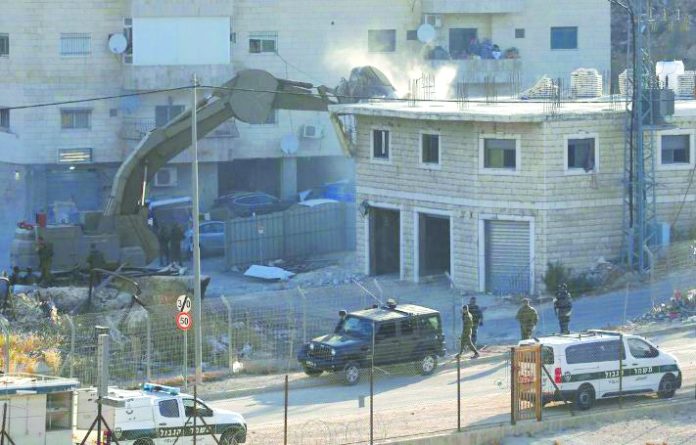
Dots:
pixel 557 273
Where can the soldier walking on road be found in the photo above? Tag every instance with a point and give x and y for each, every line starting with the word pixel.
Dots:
pixel 528 318
pixel 45 251
pixel 95 259
pixel 477 317
pixel 467 325
pixel 163 238
pixel 175 237
pixel 563 305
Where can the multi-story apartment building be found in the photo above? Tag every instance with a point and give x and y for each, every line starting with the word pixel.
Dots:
pixel 60 51
pixel 494 192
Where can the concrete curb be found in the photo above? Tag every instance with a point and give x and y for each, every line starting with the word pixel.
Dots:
pixel 448 364
pixel 493 434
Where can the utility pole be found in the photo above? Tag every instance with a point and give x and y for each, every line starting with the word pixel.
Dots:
pixel 197 333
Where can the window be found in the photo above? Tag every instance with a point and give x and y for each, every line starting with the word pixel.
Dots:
pixel 381 40
pixel 169 408
pixel 640 349
pixel 547 357
pixel 605 351
pixel 431 323
pixel 676 149
pixel 75 44
pixel 412 34
pixel 165 113
pixel 581 154
pixel 407 326
pixel 4 119
pixel 58 411
pixel 519 33
pixel 74 155
pixel 500 154
pixel 380 144
pixel 386 330
pixel 4 45
pixel 263 42
pixel 75 119
pixel 564 37
pixel 203 411
pixel 430 148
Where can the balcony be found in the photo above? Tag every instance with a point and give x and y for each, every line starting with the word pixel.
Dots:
pixel 473 6
pixel 478 71
pixel 136 129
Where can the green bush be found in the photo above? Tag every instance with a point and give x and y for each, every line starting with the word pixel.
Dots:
pixel 557 273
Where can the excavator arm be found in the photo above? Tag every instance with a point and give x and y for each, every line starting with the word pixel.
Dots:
pixel 249 97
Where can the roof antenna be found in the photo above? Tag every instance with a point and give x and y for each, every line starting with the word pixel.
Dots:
pixel 368 292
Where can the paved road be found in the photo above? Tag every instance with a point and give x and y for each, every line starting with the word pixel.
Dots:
pixel 405 403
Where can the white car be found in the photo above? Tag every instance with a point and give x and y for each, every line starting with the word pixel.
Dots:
pixel 586 367
pixel 158 414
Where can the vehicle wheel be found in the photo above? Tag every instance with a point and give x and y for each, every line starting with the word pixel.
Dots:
pixel 143 441
pixel 351 373
pixel 229 437
pixel 427 364
pixel 312 372
pixel 668 386
pixel 585 397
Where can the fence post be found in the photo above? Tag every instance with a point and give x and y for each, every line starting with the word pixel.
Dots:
pixel 230 355
pixel 621 355
pixel 6 331
pixel 148 346
pixel 285 421
pixel 459 393
pixel 72 346
pixel 513 378
pixel 304 313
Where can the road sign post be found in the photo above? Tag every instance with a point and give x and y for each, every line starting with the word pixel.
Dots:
pixel 183 321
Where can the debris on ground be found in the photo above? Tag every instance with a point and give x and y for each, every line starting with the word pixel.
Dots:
pixel 680 308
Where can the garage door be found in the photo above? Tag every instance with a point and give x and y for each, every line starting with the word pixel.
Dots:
pixel 507 257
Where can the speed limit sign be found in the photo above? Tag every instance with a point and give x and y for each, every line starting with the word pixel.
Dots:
pixel 183 321
pixel 183 303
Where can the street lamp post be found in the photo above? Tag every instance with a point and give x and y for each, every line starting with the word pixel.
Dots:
pixel 196 239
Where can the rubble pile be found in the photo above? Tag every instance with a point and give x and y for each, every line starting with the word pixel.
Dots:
pixel 680 308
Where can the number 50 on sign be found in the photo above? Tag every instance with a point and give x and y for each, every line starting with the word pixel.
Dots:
pixel 183 321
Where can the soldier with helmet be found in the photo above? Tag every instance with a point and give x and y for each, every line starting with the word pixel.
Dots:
pixel 563 305
pixel 528 318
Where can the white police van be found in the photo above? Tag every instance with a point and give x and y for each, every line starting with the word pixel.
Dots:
pixel 586 367
pixel 158 415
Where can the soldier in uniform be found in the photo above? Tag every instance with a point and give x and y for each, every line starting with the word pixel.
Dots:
pixel 175 237
pixel 45 250
pixel 477 317
pixel 563 305
pixel 467 325
pixel 95 259
pixel 14 276
pixel 528 318
pixel 163 238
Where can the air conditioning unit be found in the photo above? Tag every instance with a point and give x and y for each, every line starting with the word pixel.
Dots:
pixel 166 177
pixel 434 20
pixel 312 132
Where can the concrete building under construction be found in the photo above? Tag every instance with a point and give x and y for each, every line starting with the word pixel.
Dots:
pixel 493 192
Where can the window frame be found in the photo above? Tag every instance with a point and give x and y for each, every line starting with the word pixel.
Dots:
pixel 520 33
pixel 263 36
pixel 75 35
pixel 577 38
pixel 73 112
pixel 584 348
pixel 495 170
pixel 6 37
pixel 692 150
pixel 393 37
pixel 571 171
pixel 430 165
pixel 383 159
pixel 653 352
pixel 178 409
pixel 8 118
pixel 391 333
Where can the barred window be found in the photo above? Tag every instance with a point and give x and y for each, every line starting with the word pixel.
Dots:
pixel 4 119
pixel 75 44
pixel 75 119
pixel 263 42
pixel 4 45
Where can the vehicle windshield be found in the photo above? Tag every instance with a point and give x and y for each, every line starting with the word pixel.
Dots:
pixel 355 327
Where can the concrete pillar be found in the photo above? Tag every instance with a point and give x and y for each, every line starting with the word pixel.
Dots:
pixel 288 178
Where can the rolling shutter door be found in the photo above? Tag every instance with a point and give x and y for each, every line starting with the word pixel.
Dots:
pixel 507 257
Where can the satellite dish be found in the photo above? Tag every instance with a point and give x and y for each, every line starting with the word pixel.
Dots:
pixel 426 33
pixel 289 144
pixel 118 43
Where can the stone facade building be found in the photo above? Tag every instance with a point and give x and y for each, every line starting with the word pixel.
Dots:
pixel 493 192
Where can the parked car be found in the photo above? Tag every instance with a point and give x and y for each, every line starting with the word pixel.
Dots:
pixel 340 191
pixel 243 204
pixel 585 367
pixel 212 239
pixel 402 333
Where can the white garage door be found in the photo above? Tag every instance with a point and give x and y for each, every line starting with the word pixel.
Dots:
pixel 507 257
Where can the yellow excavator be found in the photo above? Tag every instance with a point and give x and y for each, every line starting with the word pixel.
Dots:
pixel 249 97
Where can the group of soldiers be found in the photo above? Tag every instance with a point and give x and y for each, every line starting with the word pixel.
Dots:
pixel 527 316
pixel 170 238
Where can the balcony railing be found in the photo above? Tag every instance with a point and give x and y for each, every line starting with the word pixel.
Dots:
pixel 136 129
pixel 472 7
pixel 481 70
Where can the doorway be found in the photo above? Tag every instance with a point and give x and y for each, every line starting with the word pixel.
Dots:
pixel 385 241
pixel 434 247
